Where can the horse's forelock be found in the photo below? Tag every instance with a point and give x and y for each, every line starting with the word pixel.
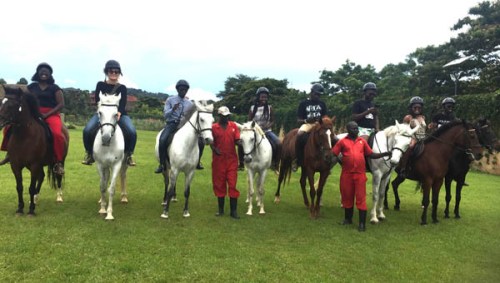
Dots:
pixel 202 105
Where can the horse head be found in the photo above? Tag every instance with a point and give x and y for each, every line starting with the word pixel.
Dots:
pixel 11 101
pixel 486 135
pixel 251 135
pixel 400 135
pixel 321 135
pixel 107 111
pixel 204 120
pixel 473 146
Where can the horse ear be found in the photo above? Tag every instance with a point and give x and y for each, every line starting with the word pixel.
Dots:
pixel 333 119
pixel 240 126
pixel 253 124
pixel 397 123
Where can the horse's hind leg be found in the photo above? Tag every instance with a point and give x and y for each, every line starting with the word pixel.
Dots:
pixel 447 186
pixel 187 192
pixel 33 192
pixel 250 193
pixel 59 191
pixel 395 184
pixel 260 185
pixel 303 188
pixel 123 184
pixel 39 183
pixel 19 189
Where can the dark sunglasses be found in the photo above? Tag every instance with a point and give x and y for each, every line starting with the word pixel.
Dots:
pixel 116 72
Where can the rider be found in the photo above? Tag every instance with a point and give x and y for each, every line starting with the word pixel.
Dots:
pixel 51 100
pixel 445 116
pixel 414 118
pixel 174 111
pixel 364 112
pixel 110 85
pixel 309 112
pixel 262 113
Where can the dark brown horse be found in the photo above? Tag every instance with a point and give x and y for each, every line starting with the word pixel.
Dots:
pixel 28 145
pixel 458 168
pixel 431 166
pixel 317 158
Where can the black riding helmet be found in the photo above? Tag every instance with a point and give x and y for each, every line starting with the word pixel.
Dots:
pixel 448 100
pixel 36 77
pixel 44 65
pixel 181 83
pixel 416 100
pixel 369 85
pixel 261 90
pixel 317 88
pixel 112 64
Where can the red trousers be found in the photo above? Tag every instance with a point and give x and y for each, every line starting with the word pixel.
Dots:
pixel 225 176
pixel 353 185
pixel 55 125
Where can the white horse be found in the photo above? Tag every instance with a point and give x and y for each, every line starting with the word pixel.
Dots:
pixel 395 139
pixel 183 152
pixel 257 156
pixel 109 154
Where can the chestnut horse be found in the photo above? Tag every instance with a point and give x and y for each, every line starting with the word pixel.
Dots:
pixel 317 158
pixel 431 166
pixel 29 145
pixel 459 166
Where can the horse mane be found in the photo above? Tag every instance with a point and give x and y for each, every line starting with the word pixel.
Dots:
pixel 444 128
pixel 391 130
pixel 22 92
pixel 33 105
pixel 258 129
pixel 202 105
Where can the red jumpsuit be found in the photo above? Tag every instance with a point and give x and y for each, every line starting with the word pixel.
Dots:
pixel 353 176
pixel 225 165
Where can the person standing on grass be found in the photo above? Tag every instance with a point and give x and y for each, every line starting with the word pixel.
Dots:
pixel 225 161
pixel 354 149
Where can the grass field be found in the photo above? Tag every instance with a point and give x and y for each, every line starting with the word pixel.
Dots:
pixel 71 242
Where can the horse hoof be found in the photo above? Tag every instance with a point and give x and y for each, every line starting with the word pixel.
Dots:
pixel 186 214
pixel 423 223
pixel 59 199
pixel 277 200
pixel 124 200
pixel 174 199
pixel 262 213
pixel 109 217
pixel 374 221
pixel 435 221
pixel 446 216
pixel 381 218
pixel 19 213
pixel 164 215
pixel 396 208
pixel 457 217
pixel 102 211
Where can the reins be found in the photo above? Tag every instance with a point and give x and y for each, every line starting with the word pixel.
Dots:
pixel 255 145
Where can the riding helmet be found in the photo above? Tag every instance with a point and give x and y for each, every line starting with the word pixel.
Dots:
pixel 112 64
pixel 317 88
pixel 261 90
pixel 369 85
pixel 181 83
pixel 448 100
pixel 416 100
pixel 44 65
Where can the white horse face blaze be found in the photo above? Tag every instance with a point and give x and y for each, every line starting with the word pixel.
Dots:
pixel 206 120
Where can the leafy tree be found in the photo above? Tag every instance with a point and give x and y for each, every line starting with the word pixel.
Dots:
pixel 2 81
pixel 22 81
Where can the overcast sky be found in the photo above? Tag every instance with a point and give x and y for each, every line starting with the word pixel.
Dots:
pixel 206 41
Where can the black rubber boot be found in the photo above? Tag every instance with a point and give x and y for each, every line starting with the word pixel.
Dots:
pixel 233 202
pixel 348 216
pixel 362 221
pixel 221 207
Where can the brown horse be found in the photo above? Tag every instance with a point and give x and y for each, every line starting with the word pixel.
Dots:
pixel 28 146
pixel 317 158
pixel 431 166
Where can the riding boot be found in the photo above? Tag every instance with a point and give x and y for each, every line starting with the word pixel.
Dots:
pixel 58 169
pixel 362 221
pixel 88 159
pixel 5 160
pixel 220 200
pixel 233 203
pixel 404 167
pixel 348 216
pixel 130 161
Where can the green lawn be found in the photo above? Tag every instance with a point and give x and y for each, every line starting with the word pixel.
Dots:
pixel 71 242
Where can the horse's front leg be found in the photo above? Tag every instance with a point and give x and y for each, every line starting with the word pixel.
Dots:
pixel 33 192
pixel 260 186
pixel 111 191
pixel 436 186
pixel 39 182
pixel 169 193
pixel 166 181
pixel 187 192
pixel 103 184
pixel 395 184
pixel 123 184
pixel 319 192
pixel 426 187
pixel 447 186
pixel 19 188
pixel 312 194
pixel 303 177
pixel 458 197
pixel 375 197
pixel 250 179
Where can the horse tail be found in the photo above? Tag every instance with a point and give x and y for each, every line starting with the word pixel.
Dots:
pixel 52 178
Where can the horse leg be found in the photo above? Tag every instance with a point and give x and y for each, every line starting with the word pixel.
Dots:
pixel 458 196
pixel 39 183
pixel 35 176
pixel 319 192
pixel 170 193
pixel 166 181
pixel 425 202
pixel 395 184
pixel 303 177
pixel 111 191
pixel 19 188
pixel 447 186
pixel 123 184
pixel 436 186
pixel 312 193
pixel 260 185
pixel 386 205
pixel 375 197
pixel 384 183
pixel 187 191
pixel 281 179
pixel 104 174
pixel 250 179
pixel 59 192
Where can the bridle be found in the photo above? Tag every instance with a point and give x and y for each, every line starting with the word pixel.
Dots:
pixel 197 127
pixel 255 143
pixel 113 125
pixel 467 149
